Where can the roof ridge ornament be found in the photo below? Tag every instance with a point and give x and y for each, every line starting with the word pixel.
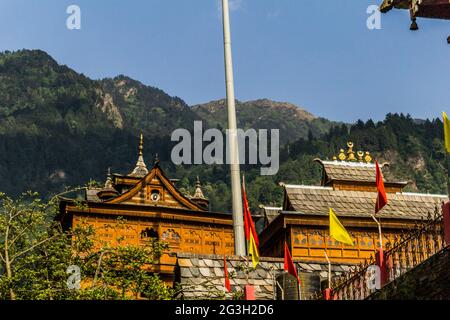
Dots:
pixel 350 156
pixel 368 157
pixel 156 160
pixel 141 168
pixel 198 190
pixel 350 152
pixel 109 182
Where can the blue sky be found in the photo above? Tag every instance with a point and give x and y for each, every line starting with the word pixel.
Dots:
pixel 317 54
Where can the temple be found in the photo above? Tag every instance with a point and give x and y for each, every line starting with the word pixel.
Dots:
pixel 151 206
pixel 348 187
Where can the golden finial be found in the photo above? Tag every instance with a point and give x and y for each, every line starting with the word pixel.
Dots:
pixel 108 183
pixel 334 158
pixel 350 153
pixel 368 158
pixel 141 169
pixel 141 145
pixel 360 156
pixel 342 155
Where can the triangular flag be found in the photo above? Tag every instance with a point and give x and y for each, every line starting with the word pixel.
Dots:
pixel 249 226
pixel 227 279
pixel 381 196
pixel 289 266
pixel 253 251
pixel 446 132
pixel 337 230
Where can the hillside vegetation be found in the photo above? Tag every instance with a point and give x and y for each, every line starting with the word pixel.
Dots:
pixel 59 128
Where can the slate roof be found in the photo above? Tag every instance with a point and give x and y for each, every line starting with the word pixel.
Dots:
pixel 91 195
pixel 350 171
pixel 202 276
pixel 270 213
pixel 318 200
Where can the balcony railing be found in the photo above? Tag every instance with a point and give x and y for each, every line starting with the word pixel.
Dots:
pixel 409 249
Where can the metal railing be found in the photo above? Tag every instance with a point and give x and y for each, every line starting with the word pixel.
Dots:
pixel 408 250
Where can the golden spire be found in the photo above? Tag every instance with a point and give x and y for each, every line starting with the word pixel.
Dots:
pixel 350 152
pixel 141 168
pixel 141 145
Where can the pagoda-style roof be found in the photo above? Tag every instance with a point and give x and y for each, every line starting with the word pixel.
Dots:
pixel 142 187
pixel 349 187
pixel 308 200
pixel 348 171
pixel 269 213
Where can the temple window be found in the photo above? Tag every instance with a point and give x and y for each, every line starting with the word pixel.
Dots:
pixel 170 235
pixel 149 233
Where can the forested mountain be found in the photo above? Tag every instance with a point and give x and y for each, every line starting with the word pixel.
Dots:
pixel 59 128
pixel 292 121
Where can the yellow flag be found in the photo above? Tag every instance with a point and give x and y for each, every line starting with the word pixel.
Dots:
pixel 253 251
pixel 337 230
pixel 446 132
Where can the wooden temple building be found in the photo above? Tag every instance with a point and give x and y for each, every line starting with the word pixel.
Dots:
pixel 151 206
pixel 348 186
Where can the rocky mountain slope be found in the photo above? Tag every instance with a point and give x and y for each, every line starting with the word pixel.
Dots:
pixel 58 128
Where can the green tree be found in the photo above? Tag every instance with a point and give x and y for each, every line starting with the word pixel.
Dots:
pixel 35 255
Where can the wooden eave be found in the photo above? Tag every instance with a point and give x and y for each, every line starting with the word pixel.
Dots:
pixel 394 184
pixel 150 212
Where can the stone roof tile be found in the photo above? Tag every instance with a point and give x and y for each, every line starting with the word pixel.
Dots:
pixel 306 200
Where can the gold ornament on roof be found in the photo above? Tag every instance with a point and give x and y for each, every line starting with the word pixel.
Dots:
pixel 342 156
pixel 360 156
pixel 351 155
pixel 350 152
pixel 368 158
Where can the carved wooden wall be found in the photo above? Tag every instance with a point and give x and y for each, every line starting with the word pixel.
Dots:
pixel 309 244
pixel 181 237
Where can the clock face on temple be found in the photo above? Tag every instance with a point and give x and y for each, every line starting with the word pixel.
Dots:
pixel 155 196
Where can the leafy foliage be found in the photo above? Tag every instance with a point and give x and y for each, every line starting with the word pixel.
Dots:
pixel 35 256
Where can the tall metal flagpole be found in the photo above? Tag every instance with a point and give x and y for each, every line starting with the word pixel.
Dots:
pixel 238 220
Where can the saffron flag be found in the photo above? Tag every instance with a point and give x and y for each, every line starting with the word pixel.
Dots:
pixel 337 230
pixel 446 132
pixel 289 266
pixel 253 251
pixel 381 196
pixel 225 270
pixel 249 226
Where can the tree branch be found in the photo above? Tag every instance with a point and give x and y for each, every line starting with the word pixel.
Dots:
pixel 30 248
pixel 20 234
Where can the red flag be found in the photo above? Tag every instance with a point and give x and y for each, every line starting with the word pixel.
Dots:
pixel 249 225
pixel 227 279
pixel 288 263
pixel 381 197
